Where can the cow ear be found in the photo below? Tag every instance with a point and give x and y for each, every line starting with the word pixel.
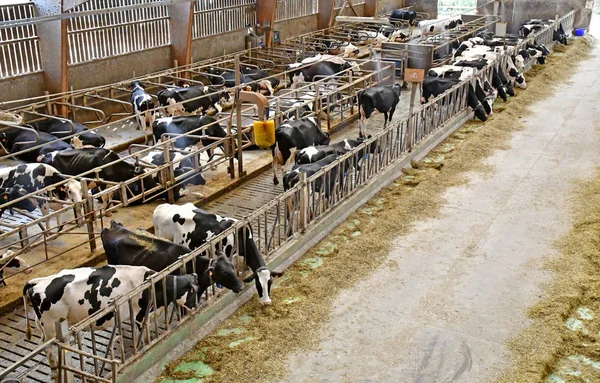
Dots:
pixel 249 279
pixel 210 271
pixel 277 273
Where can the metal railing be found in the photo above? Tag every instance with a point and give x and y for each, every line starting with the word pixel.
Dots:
pixel 291 9
pixel 213 17
pixel 19 45
pixel 110 34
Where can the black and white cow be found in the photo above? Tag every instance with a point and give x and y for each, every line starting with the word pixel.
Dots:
pixel 254 81
pixel 11 264
pixel 62 129
pixel 142 105
pixel 316 68
pixel 297 134
pixel 381 98
pixel 324 184
pixel 438 25
pixel 182 165
pixel 191 100
pixel 434 86
pixel 16 140
pixel 464 73
pixel 78 293
pixel 315 153
pixel 399 15
pixel 79 161
pixel 191 124
pixel 34 177
pixel 559 35
pixel 139 248
pixel 9 194
pixel 514 75
pixel 192 227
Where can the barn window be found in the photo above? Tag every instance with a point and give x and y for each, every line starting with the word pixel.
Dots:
pixel 19 45
pixel 110 34
pixel 291 9
pixel 452 7
pixel 212 17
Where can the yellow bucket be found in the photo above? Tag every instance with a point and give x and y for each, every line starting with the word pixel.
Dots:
pixel 264 133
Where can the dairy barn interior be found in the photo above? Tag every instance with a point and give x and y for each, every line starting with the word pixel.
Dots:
pixel 299 191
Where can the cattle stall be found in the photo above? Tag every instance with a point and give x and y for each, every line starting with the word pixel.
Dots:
pixel 91 355
pixel 25 231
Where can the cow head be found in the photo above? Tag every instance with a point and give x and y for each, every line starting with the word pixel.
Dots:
pixel 136 84
pixel 10 265
pixel 222 271
pixel 263 279
pixel 14 193
pixel 185 289
pixel 519 62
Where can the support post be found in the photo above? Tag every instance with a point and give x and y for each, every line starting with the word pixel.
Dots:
pixel 370 9
pixel 265 17
pixel 304 206
pixel 64 357
pixel 238 115
pixel 326 14
pixel 181 21
pixel 53 48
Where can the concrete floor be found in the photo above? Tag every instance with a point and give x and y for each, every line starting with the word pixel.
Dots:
pixel 464 281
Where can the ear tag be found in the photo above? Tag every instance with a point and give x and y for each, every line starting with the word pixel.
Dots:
pixel 210 274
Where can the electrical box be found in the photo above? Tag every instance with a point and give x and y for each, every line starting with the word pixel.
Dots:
pixel 255 41
pixel 276 37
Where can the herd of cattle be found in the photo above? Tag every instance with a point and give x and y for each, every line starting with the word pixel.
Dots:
pixel 134 255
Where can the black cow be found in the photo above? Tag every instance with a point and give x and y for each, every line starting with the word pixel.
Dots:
pixel 187 124
pixel 404 15
pixel 434 86
pixel 138 248
pixel 191 100
pixel 77 293
pixel 12 193
pixel 193 227
pixel 254 80
pixel 381 98
pixel 297 134
pixel 62 129
pixel 142 105
pixel 16 140
pixel 316 71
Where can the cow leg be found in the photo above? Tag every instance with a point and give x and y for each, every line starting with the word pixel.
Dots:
pixel 362 126
pixel 392 111
pixel 385 119
pixel 274 166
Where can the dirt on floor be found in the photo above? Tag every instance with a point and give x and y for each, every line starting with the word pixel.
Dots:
pixel 254 344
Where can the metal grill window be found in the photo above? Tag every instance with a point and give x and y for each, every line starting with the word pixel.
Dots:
pixel 340 3
pixel 112 34
pixel 19 46
pixel 212 17
pixel 290 9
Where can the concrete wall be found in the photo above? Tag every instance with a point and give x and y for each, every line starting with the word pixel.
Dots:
pixel 427 6
pixel 20 87
pixel 516 11
pixel 119 68
pixel 123 67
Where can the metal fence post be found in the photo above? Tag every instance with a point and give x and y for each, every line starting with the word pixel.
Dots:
pixel 304 206
pixel 65 358
pixel 169 173
pixel 88 214
pixel 238 115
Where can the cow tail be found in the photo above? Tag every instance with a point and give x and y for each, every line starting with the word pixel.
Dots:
pixel 25 300
pixel 278 154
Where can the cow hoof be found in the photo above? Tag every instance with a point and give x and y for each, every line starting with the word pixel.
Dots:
pixel 275 181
